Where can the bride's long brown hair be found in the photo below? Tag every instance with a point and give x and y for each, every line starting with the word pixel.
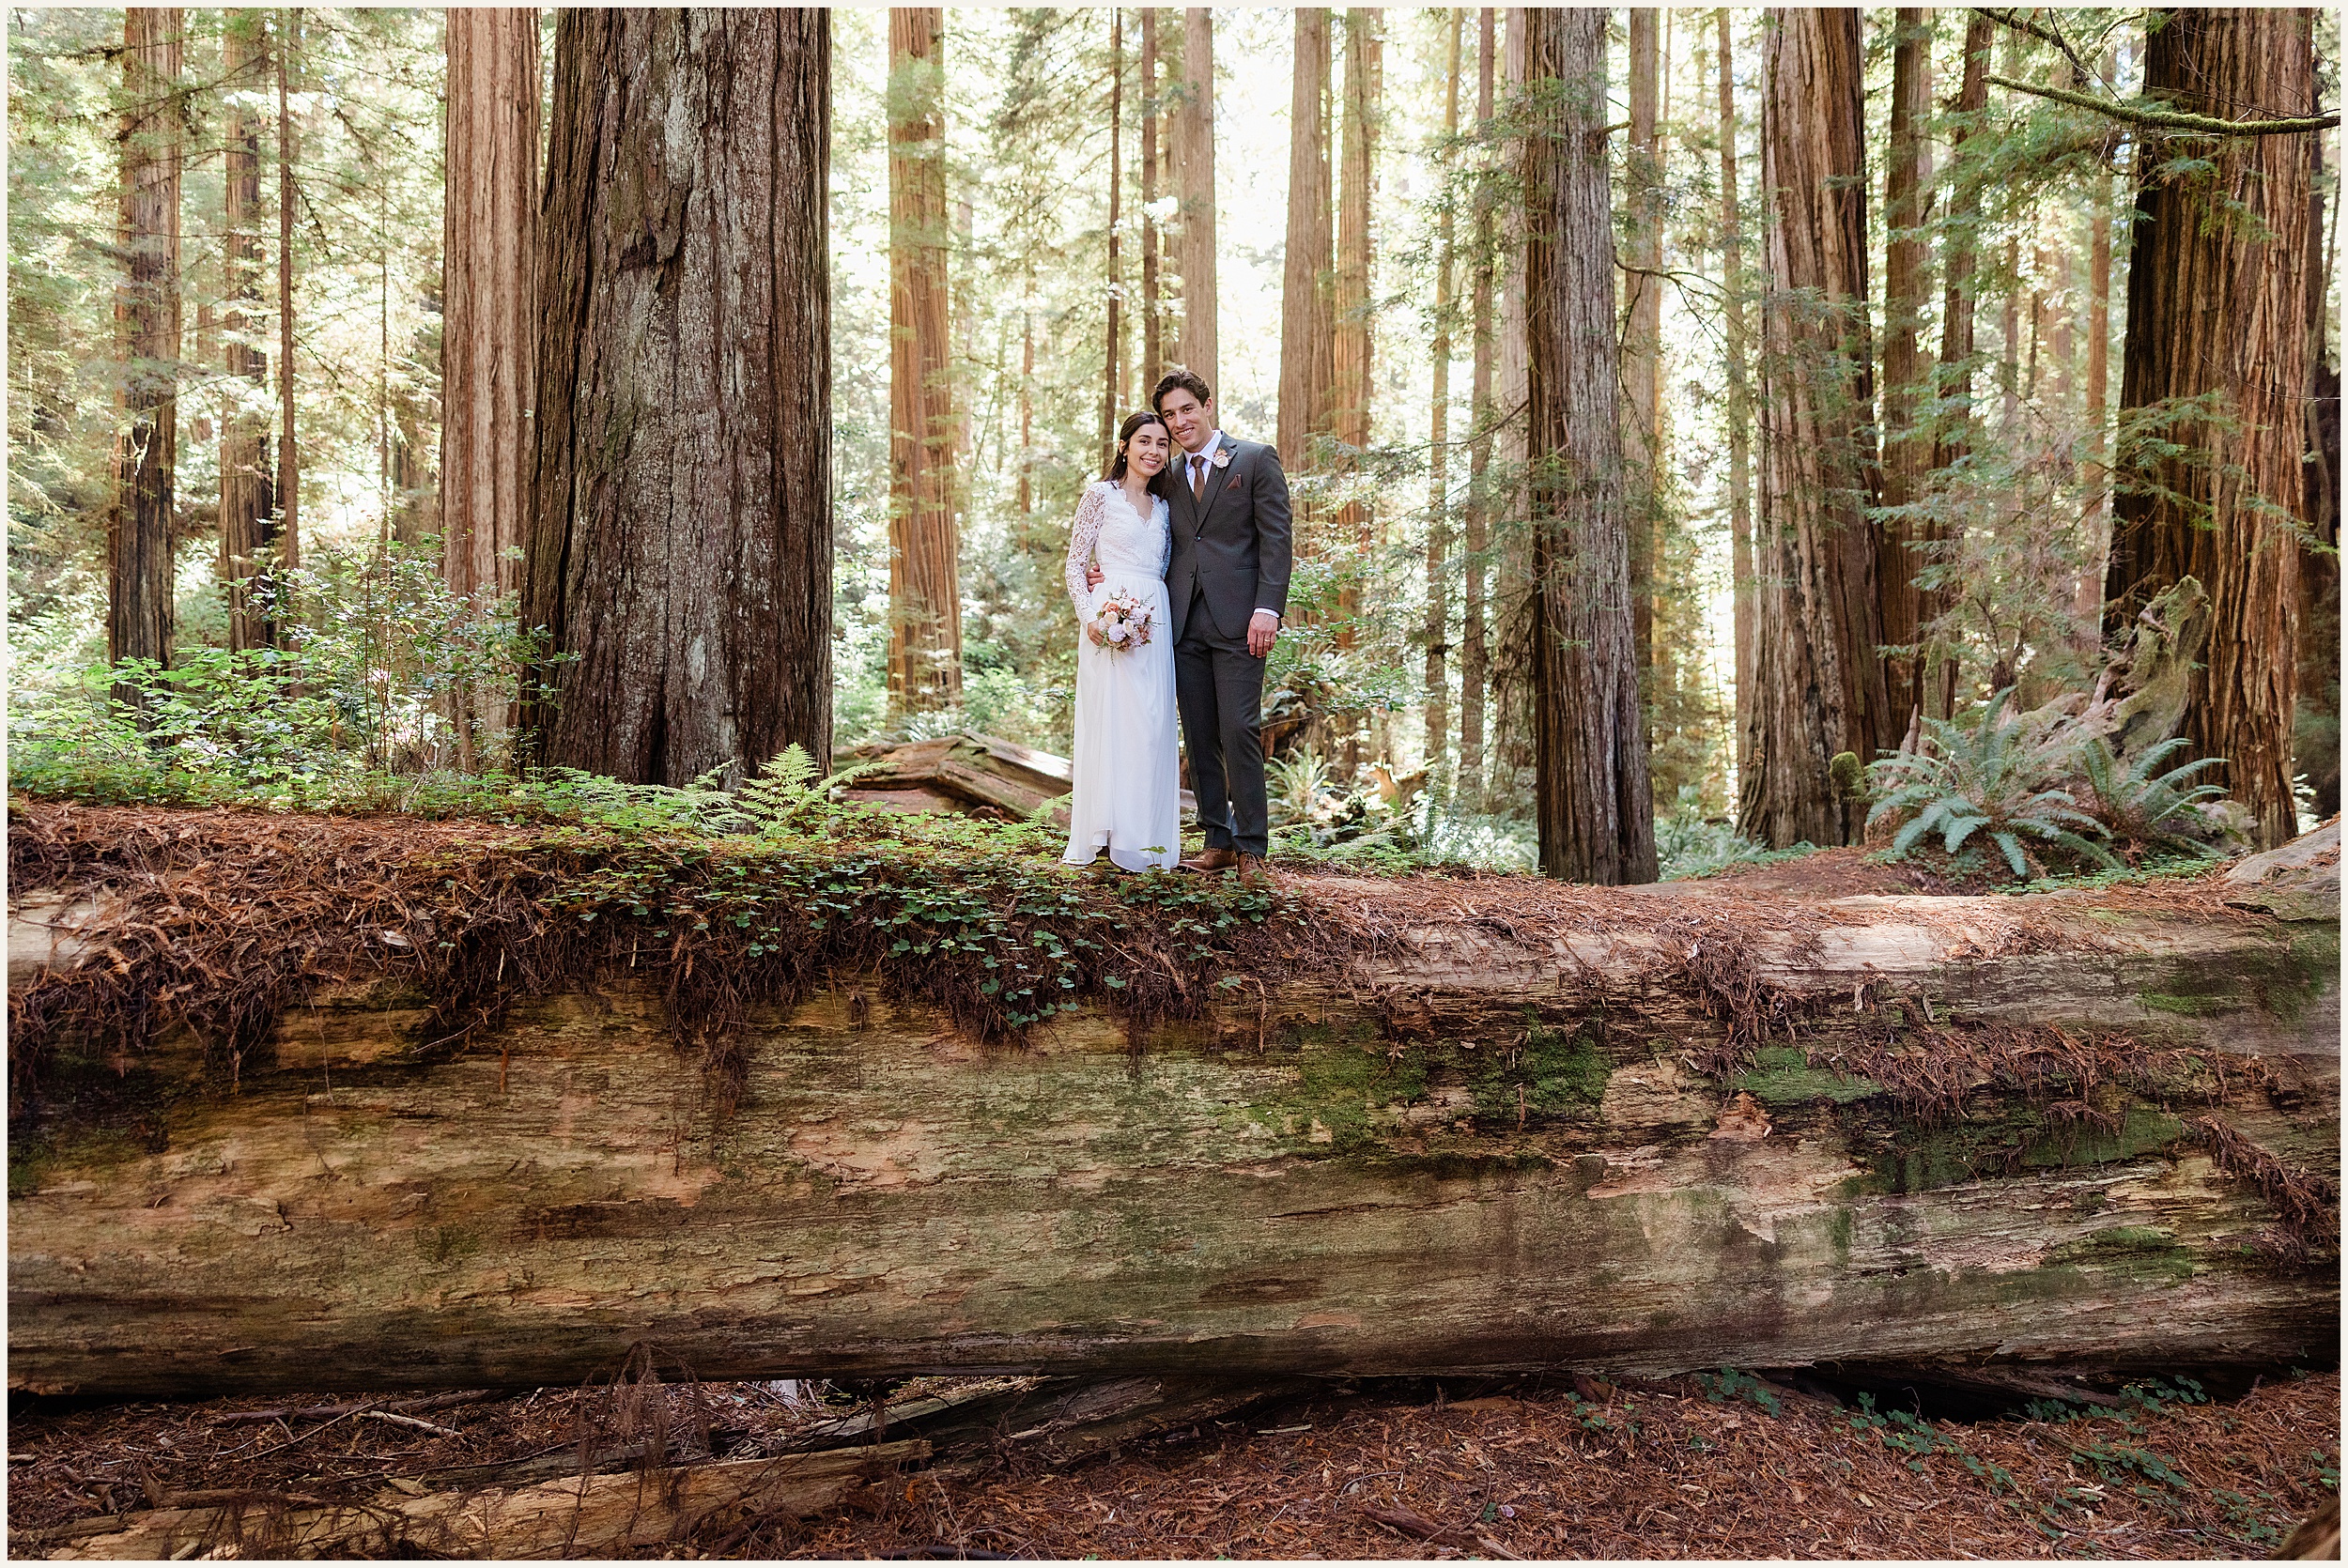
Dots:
pixel 1125 432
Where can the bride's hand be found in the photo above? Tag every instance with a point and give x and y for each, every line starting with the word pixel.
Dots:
pixel 1093 575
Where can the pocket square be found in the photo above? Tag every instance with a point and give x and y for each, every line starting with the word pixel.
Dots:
pixel 1234 484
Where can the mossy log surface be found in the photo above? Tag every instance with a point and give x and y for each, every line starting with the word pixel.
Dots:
pixel 1474 1145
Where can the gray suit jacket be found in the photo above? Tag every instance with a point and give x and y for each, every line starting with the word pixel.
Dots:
pixel 1232 542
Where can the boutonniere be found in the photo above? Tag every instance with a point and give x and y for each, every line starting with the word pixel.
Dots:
pixel 1222 458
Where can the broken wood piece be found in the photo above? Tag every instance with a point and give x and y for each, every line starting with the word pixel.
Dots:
pixel 577 1516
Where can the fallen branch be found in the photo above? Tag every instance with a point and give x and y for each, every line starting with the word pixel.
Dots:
pixel 2174 121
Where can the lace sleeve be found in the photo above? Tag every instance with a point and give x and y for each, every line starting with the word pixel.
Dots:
pixel 1090 513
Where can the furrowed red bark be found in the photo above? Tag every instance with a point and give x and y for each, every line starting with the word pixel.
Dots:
pixel 247 494
pixel 681 536
pixel 139 586
pixel 1594 808
pixel 1305 349
pixel 1906 448
pixel 1819 685
pixel 1194 168
pixel 2217 309
pixel 924 545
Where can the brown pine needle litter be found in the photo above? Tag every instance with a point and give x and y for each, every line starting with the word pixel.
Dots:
pixel 1699 1468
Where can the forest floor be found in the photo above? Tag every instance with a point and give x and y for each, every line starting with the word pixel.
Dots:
pixel 1709 1467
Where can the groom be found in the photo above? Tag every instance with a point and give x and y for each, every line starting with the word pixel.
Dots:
pixel 1228 585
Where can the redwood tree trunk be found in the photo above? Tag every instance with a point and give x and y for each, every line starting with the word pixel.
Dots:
pixel 490 246
pixel 1113 350
pixel 1474 658
pixel 924 547
pixel 1194 159
pixel 1643 335
pixel 1305 349
pixel 1907 449
pixel 1594 808
pixel 2217 305
pixel 681 531
pixel 1152 351
pixel 288 449
pixel 1438 687
pixel 247 498
pixel 146 321
pixel 1351 385
pixel 1819 685
pixel 1739 408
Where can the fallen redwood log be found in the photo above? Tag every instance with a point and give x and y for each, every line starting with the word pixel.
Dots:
pixel 1521 1127
pixel 579 1515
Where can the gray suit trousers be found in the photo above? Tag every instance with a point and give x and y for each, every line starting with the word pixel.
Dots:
pixel 1218 685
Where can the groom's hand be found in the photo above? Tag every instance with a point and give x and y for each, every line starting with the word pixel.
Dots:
pixel 1263 629
pixel 1092 576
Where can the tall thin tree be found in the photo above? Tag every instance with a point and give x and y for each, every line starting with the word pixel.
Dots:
pixel 1474 660
pixel 924 581
pixel 1643 331
pixel 1436 635
pixel 1195 169
pixel 1350 383
pixel 2217 315
pixel 1153 350
pixel 247 495
pixel 288 449
pixel 1739 399
pixel 680 552
pixel 1113 353
pixel 1306 307
pixel 147 319
pixel 1819 686
pixel 1906 448
pixel 1594 808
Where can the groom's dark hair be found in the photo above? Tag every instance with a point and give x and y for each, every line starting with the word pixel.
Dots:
pixel 1189 380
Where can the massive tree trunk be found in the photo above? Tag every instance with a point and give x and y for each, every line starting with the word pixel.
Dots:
pixel 2002 1137
pixel 1351 385
pixel 1907 447
pixel 2218 310
pixel 139 585
pixel 681 536
pixel 1194 162
pixel 1474 660
pixel 247 495
pixel 1740 400
pixel 1642 337
pixel 925 545
pixel 489 321
pixel 1305 319
pixel 1819 686
pixel 288 449
pixel 1594 808
pixel 489 300
pixel 1437 638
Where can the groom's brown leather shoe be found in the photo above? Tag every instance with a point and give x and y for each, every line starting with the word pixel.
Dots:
pixel 1212 860
pixel 1252 869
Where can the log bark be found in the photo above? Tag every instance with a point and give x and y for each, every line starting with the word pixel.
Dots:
pixel 2216 309
pixel 924 547
pixel 681 535
pixel 1594 807
pixel 1819 685
pixel 1305 319
pixel 578 1517
pixel 489 387
pixel 139 577
pixel 1494 1143
pixel 1193 171
pixel 247 494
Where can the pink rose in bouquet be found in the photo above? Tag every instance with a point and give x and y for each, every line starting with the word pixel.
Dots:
pixel 1122 621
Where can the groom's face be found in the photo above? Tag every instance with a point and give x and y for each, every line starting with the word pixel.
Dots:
pixel 1191 421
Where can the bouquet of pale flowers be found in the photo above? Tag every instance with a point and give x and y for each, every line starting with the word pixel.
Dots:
pixel 1122 621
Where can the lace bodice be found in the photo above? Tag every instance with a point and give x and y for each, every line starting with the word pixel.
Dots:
pixel 1125 542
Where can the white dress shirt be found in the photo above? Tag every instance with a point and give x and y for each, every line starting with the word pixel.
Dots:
pixel 1196 467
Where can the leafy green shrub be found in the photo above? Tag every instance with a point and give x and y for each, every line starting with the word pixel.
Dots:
pixel 2140 804
pixel 1994 779
pixel 1687 844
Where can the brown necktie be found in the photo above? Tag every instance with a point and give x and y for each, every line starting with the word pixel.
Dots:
pixel 1197 478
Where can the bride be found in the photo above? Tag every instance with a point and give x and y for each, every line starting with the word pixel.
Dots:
pixel 1126 775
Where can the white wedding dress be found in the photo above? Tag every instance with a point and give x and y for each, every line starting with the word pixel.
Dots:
pixel 1126 793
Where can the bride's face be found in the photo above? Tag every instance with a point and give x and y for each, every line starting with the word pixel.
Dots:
pixel 1147 450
